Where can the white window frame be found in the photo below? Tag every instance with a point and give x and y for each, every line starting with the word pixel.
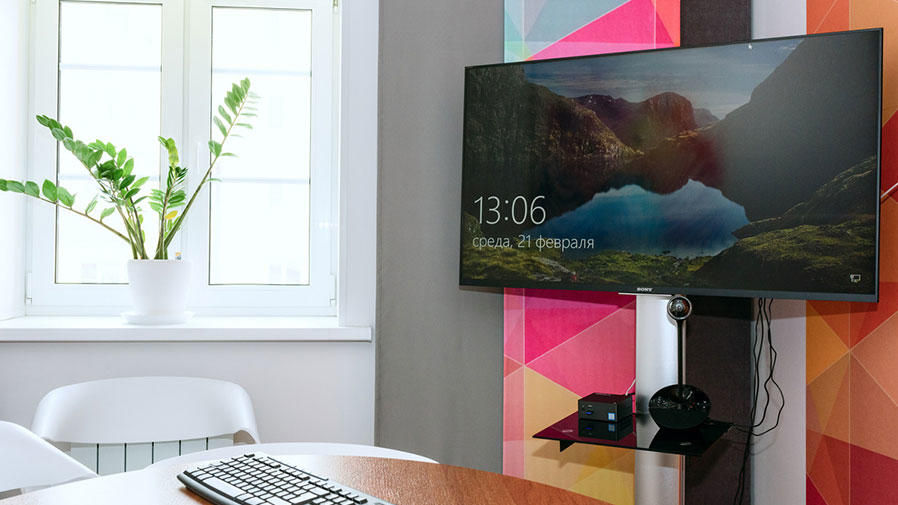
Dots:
pixel 187 73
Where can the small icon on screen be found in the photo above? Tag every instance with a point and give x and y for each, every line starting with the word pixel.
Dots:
pixel 855 278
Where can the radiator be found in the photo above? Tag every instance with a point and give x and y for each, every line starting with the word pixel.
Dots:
pixel 107 459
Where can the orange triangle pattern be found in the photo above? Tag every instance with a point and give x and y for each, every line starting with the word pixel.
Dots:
pixel 873 414
pixel 813 439
pixel 877 354
pixel 866 317
pixel 827 16
pixel 824 347
pixel 827 395
pixel 888 238
pixel 864 471
pixel 669 14
pixel 830 471
pixel 837 315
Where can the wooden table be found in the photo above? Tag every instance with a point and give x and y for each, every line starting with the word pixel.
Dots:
pixel 398 481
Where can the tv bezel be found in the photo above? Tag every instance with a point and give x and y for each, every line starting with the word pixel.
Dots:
pixel 698 291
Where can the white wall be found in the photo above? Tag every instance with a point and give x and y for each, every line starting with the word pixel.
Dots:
pixel 778 18
pixel 302 391
pixel 778 471
pixel 778 458
pixel 13 39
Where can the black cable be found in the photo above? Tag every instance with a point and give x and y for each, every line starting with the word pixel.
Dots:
pixel 739 497
pixel 765 315
pixel 763 332
pixel 772 357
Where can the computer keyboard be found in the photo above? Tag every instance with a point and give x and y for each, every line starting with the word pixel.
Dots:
pixel 259 479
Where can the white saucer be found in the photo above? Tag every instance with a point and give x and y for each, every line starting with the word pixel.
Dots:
pixel 135 318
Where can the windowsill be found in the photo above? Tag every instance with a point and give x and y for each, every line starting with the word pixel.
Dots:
pixel 198 329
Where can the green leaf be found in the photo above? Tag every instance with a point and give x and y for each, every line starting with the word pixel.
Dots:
pixel 229 154
pixel 140 182
pixel 106 213
pixel 155 206
pixel 249 114
pixel 215 147
pixel 68 131
pixel 43 120
pixel 49 190
pixel 229 101
pixel 65 197
pixel 2 184
pixel 31 189
pixel 91 205
pixel 15 187
pixel 58 134
pixel 110 149
pixel 237 92
pixel 69 144
pixel 172 149
pixel 144 197
pixel 221 127
pixel 117 174
pixel 131 193
pixel 127 181
pixel 224 114
pixel 245 125
pixel 129 166
pixel 122 156
pixel 93 158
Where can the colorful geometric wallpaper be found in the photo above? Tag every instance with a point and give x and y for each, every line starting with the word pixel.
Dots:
pixel 852 348
pixel 559 347
pixel 539 29
pixel 562 345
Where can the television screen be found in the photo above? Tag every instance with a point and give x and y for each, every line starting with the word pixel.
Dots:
pixel 747 169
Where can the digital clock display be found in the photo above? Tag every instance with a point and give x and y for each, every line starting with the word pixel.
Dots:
pixel 520 210
pixel 698 170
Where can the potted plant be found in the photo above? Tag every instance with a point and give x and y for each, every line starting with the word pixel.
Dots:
pixel 159 285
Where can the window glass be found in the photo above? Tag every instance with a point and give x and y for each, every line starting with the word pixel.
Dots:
pixel 259 217
pixel 109 88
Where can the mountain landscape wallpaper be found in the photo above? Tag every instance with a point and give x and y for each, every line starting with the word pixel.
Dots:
pixel 748 167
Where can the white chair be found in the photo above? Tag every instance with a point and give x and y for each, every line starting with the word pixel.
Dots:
pixel 27 461
pixel 301 449
pixel 142 410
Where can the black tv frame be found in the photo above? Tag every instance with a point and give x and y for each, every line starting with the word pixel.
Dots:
pixel 670 290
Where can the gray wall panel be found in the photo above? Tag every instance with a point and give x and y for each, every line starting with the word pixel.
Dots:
pixel 439 347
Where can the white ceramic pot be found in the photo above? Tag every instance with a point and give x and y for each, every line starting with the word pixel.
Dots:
pixel 159 291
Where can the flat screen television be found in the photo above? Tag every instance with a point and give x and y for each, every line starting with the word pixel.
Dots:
pixel 746 169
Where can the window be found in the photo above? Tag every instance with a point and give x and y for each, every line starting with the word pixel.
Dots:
pixel 263 235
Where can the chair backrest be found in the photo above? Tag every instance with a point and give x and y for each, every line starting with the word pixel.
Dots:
pixel 134 410
pixel 28 461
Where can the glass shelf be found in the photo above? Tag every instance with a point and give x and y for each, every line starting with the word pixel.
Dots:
pixel 644 435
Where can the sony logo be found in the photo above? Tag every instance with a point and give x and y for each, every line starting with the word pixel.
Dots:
pixel 644 290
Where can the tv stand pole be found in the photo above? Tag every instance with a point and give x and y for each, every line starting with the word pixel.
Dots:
pixel 659 478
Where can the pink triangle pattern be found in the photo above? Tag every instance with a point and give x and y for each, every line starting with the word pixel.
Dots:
pixel 552 316
pixel 630 27
pixel 599 359
pixel 662 38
